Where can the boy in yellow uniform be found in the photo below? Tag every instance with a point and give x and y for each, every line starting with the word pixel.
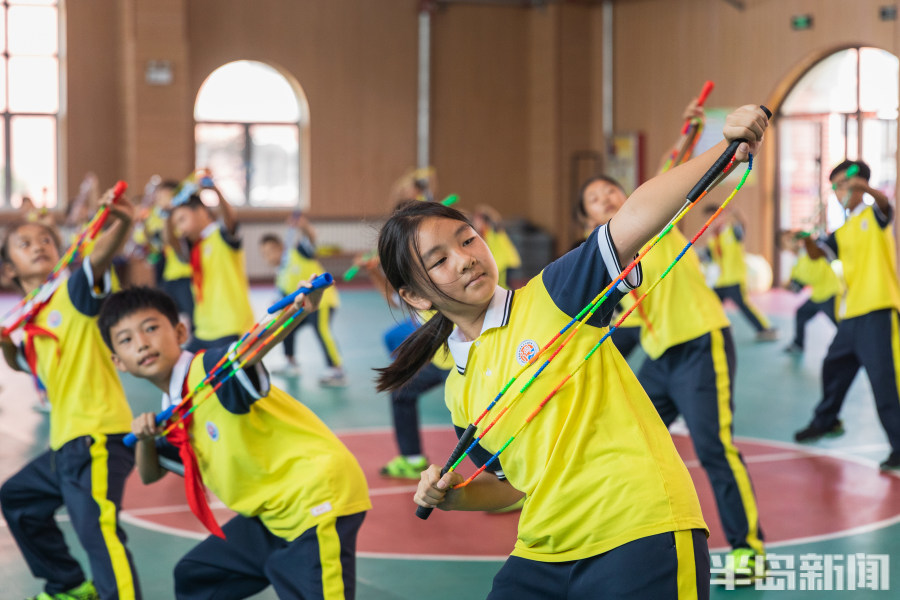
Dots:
pixel 726 247
pixel 296 261
pixel 87 464
pixel 173 275
pixel 825 290
pixel 218 270
pixel 299 493
pixel 867 335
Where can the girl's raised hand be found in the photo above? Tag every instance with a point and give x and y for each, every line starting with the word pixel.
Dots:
pixel 749 123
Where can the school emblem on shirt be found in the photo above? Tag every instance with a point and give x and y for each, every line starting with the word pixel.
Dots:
pixel 526 351
pixel 212 430
pixel 54 319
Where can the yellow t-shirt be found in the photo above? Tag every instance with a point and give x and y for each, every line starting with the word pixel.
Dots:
pixel 865 245
pixel 299 268
pixel 175 268
pixel 222 307
pixel 727 252
pixel 266 455
pixel 818 274
pixel 73 363
pixel 505 254
pixel 597 465
pixel 682 307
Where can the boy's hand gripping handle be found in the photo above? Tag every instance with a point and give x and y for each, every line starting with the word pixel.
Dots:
pixel 130 440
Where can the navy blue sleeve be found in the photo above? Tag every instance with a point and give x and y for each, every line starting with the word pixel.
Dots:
pixel 234 395
pixel 829 245
pixel 306 248
pixel 576 278
pixel 883 218
pixel 166 450
pixel 231 237
pixel 80 290
pixel 480 456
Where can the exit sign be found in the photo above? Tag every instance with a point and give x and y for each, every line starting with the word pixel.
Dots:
pixel 801 22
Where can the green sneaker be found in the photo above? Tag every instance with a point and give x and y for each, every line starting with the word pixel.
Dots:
pixel 85 591
pixel 403 468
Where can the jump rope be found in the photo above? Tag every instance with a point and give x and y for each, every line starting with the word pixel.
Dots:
pixel 468 440
pixel 233 362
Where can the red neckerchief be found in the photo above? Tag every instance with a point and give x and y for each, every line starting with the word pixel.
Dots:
pixel 193 482
pixel 197 270
pixel 31 332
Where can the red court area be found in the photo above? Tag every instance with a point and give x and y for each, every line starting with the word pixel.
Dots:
pixel 800 495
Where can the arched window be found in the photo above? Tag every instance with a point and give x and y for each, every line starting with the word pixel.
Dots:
pixel 29 101
pixel 250 127
pixel 844 107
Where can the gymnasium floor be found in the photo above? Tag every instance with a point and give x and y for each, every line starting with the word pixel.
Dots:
pixel 828 514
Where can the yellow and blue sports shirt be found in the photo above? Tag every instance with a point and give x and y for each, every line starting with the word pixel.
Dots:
pixel 222 306
pixel 266 455
pixel 505 254
pixel 817 273
pixel 727 251
pixel 299 264
pixel 865 246
pixel 174 268
pixel 682 307
pixel 597 465
pixel 73 363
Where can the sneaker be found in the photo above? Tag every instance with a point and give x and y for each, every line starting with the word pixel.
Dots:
pixel 767 335
pixel 403 468
pixel 793 349
pixel 812 433
pixel 333 378
pixel 85 591
pixel 892 462
pixel 742 566
pixel 287 370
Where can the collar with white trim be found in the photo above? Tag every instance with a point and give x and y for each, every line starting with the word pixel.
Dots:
pixel 497 315
pixel 176 381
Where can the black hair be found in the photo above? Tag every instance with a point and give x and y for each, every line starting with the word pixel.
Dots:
pixel 14 227
pixel 864 171
pixel 403 267
pixel 168 184
pixel 129 301
pixel 580 213
pixel 270 238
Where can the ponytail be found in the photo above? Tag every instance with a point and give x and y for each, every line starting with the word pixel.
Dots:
pixel 415 352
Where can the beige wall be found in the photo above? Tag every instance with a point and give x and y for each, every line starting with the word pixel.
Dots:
pixel 515 91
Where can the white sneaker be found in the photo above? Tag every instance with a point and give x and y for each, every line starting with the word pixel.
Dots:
pixel 287 370
pixel 333 378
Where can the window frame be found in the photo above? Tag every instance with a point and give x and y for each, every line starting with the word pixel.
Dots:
pixel 7 115
pixel 301 126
